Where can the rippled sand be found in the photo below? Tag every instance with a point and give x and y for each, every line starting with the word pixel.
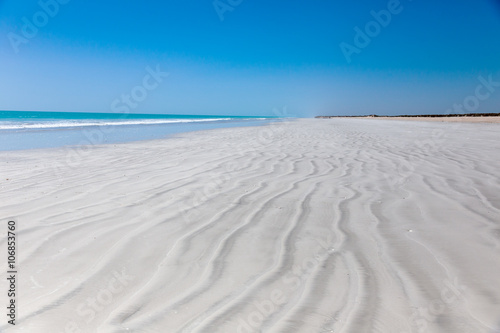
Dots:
pixel 317 225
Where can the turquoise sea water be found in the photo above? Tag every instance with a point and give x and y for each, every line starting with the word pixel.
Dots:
pixel 30 129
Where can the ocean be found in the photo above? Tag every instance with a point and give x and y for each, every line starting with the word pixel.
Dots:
pixel 33 129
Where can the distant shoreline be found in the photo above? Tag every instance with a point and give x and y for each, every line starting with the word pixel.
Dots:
pixel 468 117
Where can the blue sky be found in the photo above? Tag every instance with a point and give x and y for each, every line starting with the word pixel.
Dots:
pixel 250 57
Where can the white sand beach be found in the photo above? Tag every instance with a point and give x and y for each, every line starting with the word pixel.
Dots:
pixel 313 225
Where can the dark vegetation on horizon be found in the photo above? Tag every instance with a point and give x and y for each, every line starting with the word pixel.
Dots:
pixel 422 115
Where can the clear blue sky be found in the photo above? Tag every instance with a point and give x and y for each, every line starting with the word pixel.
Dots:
pixel 263 55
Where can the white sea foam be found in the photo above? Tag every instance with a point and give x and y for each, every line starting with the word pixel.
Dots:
pixel 86 123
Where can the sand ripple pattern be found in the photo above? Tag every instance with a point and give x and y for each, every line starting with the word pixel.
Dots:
pixel 331 225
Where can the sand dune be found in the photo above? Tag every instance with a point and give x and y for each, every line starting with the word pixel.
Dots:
pixel 318 225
